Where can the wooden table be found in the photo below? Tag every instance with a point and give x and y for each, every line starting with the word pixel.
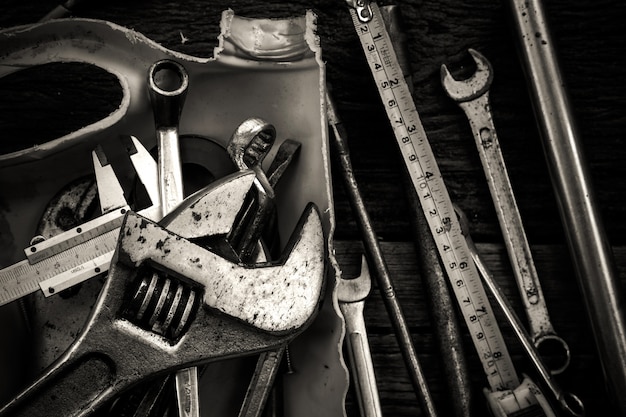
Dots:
pixel 590 41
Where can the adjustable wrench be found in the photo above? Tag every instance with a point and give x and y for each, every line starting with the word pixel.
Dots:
pixel 472 95
pixel 351 294
pixel 148 319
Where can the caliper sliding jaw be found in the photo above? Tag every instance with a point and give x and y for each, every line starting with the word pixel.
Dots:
pixel 169 303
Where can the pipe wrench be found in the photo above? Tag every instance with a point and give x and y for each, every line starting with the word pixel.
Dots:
pixel 169 303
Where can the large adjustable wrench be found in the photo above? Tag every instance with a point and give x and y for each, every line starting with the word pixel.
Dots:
pixel 169 304
pixel 472 95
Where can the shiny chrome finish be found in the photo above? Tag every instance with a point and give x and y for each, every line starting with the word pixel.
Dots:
pixel 472 95
pixel 589 247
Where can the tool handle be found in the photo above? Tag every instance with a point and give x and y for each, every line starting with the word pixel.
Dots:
pixel 170 170
pixel 361 359
pixel 69 389
pixel 541 330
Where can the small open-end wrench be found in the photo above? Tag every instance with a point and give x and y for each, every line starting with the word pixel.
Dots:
pixel 568 402
pixel 168 304
pixel 472 95
pixel 351 294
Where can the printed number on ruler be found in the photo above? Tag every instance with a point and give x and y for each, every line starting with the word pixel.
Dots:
pixel 435 201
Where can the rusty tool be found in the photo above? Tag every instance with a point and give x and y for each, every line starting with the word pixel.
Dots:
pixel 168 303
pixel 588 244
pixel 442 307
pixel 375 256
pixel 351 294
pixel 568 402
pixel 472 95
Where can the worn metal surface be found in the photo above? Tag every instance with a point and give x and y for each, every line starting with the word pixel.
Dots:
pixel 99 365
pixel 472 95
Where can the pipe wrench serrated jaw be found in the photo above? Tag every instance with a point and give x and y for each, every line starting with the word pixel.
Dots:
pixel 472 87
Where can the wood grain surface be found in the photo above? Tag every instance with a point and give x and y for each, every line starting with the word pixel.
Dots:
pixel 41 104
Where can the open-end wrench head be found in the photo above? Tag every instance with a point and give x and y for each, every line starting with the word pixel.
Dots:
pixel 472 87
pixel 355 289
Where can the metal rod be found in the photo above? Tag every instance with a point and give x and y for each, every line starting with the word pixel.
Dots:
pixel 587 241
pixel 442 307
pixel 377 261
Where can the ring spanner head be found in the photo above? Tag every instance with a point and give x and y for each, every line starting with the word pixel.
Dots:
pixel 472 87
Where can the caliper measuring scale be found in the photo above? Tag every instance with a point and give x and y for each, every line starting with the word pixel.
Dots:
pixel 426 178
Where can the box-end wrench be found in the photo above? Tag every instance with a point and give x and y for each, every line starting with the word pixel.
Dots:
pixel 248 147
pixel 472 95
pixel 168 82
pixel 568 402
pixel 351 294
pixel 168 303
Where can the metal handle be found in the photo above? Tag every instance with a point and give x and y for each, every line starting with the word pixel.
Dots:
pixel 361 359
pixel 63 388
pixel 588 244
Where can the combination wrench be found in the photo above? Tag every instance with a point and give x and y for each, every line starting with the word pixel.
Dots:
pixel 248 147
pixel 472 95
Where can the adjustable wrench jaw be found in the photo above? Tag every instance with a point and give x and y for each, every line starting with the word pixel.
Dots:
pixel 470 88
pixel 169 304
